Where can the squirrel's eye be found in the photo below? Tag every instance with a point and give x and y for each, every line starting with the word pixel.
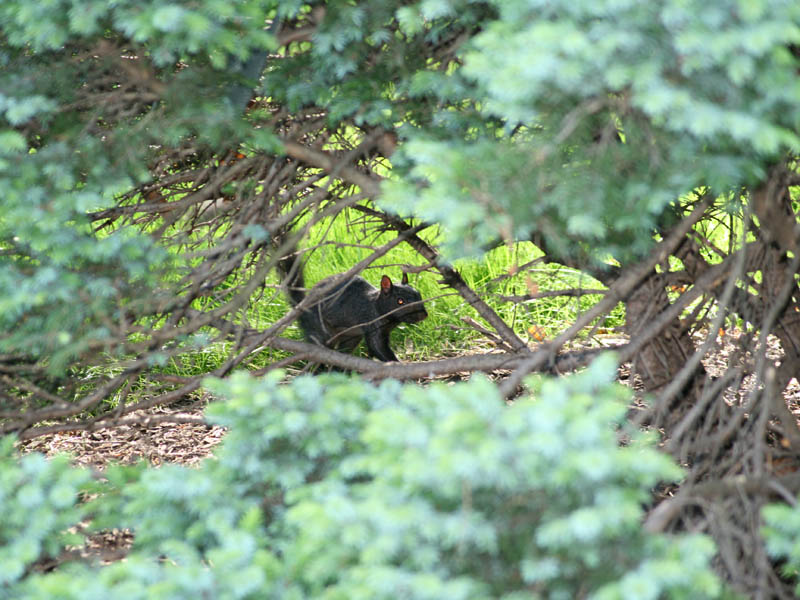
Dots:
pixel 400 300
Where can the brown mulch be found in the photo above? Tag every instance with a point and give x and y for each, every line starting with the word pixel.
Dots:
pixel 182 443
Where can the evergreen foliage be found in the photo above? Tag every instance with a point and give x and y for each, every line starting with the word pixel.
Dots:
pixel 332 488
pixel 41 500
pixel 781 531
pixel 703 95
pixel 68 147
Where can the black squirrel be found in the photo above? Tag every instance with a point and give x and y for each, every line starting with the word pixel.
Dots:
pixel 354 309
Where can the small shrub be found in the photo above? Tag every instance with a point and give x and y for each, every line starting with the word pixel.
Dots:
pixel 781 532
pixel 40 501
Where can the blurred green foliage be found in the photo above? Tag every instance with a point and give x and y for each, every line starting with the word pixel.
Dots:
pixel 607 113
pixel 41 500
pixel 781 531
pixel 65 291
pixel 332 488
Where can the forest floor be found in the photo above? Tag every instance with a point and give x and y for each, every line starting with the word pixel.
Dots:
pixel 182 443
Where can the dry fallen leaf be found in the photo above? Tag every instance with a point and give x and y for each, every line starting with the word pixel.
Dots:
pixel 537 333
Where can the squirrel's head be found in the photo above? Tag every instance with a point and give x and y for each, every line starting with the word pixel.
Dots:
pixel 400 301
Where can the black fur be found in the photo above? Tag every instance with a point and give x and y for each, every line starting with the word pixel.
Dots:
pixel 353 310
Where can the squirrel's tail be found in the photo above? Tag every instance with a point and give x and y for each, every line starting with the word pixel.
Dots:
pixel 291 271
pixel 290 267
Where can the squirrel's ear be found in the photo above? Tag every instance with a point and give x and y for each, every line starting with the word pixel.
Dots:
pixel 404 281
pixel 386 283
